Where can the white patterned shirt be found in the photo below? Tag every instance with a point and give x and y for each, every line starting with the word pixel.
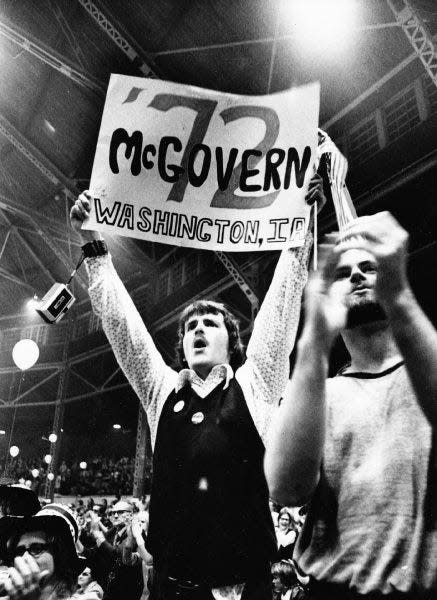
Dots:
pixel 262 377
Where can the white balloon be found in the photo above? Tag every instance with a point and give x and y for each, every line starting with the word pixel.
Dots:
pixel 53 437
pixel 25 354
pixel 47 459
pixel 14 451
pixel 50 476
pixel 35 473
pixel 83 465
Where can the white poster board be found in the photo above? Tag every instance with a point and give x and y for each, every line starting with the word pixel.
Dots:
pixel 192 167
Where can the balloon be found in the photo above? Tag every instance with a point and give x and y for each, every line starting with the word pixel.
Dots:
pixel 14 451
pixel 53 437
pixel 50 476
pixel 83 465
pixel 35 473
pixel 47 459
pixel 25 354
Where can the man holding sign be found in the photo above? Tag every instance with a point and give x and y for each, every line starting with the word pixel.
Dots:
pixel 211 533
pixel 210 525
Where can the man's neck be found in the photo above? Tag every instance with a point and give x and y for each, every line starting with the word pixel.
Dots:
pixel 372 347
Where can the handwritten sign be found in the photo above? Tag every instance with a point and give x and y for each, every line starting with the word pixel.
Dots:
pixel 191 167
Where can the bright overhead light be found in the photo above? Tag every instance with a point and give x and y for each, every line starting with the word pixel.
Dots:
pixel 47 459
pixel 35 473
pixel 14 451
pixel 116 426
pixel 52 438
pixel 322 25
pixel 50 476
pixel 2 432
pixel 83 465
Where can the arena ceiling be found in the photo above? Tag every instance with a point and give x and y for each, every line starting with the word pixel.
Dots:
pixel 56 57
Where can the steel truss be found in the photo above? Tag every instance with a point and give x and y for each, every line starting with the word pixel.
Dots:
pixel 417 33
pixel 50 57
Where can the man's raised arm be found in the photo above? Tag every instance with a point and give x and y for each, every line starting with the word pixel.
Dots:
pixel 296 438
pixel 132 344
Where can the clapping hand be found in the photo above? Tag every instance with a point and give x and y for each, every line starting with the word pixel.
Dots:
pixel 24 579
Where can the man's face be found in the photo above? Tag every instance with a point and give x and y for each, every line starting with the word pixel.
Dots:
pixel 120 514
pixel 206 342
pixel 355 281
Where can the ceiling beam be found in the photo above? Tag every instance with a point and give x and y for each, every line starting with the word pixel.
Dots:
pixel 36 386
pixel 37 158
pixel 33 254
pixel 50 57
pixel 5 241
pixel 371 90
pixel 113 29
pixel 14 279
pixel 7 204
pixel 418 35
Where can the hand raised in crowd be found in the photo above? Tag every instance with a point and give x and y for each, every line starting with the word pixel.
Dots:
pixel 315 192
pixel 136 528
pixel 79 214
pixel 325 308
pixel 383 237
pixel 24 579
pixel 94 521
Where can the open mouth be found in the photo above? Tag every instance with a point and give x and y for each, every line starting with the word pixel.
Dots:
pixel 199 343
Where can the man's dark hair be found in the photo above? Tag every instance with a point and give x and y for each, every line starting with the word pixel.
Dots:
pixel 203 307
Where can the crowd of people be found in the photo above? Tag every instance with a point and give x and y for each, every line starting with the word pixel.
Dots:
pixel 230 428
pixel 89 550
pixel 97 475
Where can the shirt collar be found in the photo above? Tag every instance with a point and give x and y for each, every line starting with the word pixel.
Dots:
pixel 223 372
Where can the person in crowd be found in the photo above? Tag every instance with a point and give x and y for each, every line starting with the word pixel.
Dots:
pixel 213 416
pixel 361 445
pixel 285 534
pixel 42 550
pixel 120 580
pixel 287 581
pixel 87 586
pixel 134 551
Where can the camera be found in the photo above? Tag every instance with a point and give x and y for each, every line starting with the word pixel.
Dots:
pixel 55 303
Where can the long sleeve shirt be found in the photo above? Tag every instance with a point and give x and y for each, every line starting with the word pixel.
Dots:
pixel 263 375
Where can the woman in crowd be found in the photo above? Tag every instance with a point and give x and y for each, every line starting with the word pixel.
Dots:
pixel 87 586
pixel 42 551
pixel 285 534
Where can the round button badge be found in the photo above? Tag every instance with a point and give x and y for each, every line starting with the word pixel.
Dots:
pixel 178 406
pixel 197 418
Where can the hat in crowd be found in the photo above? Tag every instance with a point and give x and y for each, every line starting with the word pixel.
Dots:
pixel 122 505
pixel 18 500
pixel 54 519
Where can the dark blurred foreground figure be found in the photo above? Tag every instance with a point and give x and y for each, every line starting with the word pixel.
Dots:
pixel 361 445
pixel 18 500
pixel 41 552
